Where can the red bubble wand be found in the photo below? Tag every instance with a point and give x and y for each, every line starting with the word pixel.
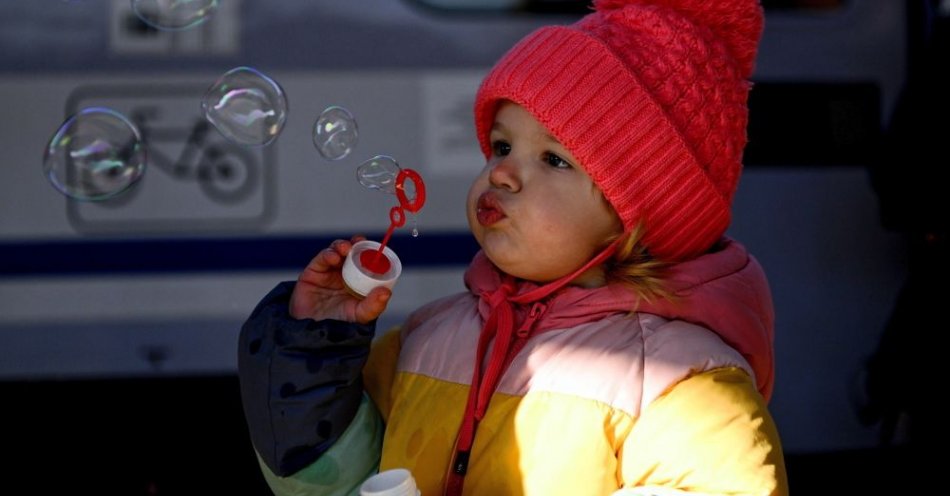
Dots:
pixel 374 260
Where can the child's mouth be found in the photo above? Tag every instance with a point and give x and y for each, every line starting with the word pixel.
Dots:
pixel 488 209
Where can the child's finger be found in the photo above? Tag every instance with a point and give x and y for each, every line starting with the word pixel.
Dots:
pixel 331 257
pixel 341 246
pixel 373 305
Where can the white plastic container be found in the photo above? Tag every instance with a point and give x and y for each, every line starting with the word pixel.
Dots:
pixel 361 280
pixel 394 482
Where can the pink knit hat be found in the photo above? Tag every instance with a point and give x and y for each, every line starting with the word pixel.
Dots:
pixel 651 97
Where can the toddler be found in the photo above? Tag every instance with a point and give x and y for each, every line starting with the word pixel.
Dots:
pixel 611 340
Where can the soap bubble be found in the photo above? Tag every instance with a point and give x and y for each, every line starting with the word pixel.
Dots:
pixel 96 154
pixel 335 133
pixel 246 106
pixel 379 173
pixel 174 14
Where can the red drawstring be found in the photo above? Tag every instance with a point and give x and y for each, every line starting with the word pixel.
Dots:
pixel 500 317
pixel 500 327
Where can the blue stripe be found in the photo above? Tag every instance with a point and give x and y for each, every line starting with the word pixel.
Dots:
pixel 102 257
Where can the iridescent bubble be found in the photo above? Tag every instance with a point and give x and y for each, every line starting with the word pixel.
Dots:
pixel 246 106
pixel 335 133
pixel 379 173
pixel 174 14
pixel 96 154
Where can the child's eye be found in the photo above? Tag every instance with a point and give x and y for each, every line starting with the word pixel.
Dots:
pixel 555 161
pixel 500 148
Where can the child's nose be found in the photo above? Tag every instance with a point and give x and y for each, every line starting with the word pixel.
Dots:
pixel 504 174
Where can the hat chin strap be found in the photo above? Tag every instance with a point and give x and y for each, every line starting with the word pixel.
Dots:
pixel 549 288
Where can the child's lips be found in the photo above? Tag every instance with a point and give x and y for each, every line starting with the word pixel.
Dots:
pixel 488 210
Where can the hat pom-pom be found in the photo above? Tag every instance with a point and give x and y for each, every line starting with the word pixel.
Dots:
pixel 738 23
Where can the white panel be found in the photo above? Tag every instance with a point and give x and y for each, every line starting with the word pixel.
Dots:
pixel 219 35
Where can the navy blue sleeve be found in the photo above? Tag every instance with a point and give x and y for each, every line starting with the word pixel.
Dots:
pixel 300 380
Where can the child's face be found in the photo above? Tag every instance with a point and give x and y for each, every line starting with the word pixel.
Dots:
pixel 533 209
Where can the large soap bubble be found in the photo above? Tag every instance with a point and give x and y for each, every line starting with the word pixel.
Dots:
pixel 246 106
pixel 174 14
pixel 94 155
pixel 335 133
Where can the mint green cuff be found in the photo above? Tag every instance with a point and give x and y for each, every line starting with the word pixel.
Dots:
pixel 344 467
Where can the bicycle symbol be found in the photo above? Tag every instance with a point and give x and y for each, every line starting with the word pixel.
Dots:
pixel 226 173
pixel 195 180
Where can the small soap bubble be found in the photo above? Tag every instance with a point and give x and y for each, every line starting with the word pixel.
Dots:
pixel 94 155
pixel 171 15
pixel 246 107
pixel 335 133
pixel 379 173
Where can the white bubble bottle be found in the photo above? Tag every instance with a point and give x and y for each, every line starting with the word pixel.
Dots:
pixel 393 482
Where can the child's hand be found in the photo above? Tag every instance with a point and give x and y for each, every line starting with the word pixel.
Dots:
pixel 321 294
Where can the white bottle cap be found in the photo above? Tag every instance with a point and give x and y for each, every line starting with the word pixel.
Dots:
pixel 394 482
pixel 360 279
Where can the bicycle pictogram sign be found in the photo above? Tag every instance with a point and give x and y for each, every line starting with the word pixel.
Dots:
pixel 195 180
